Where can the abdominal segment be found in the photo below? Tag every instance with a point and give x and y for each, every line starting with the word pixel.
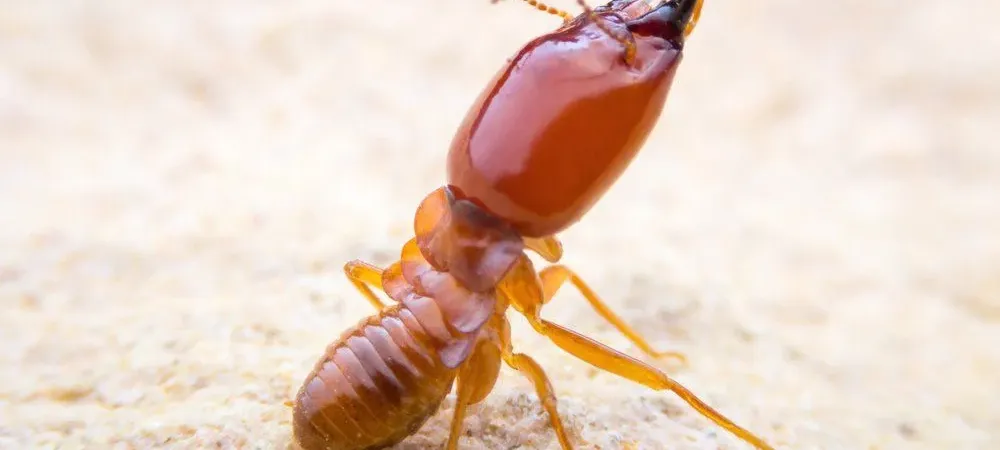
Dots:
pixel 375 386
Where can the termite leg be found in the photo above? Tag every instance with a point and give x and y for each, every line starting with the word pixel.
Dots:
pixel 553 277
pixel 463 397
pixel 610 360
pixel 478 375
pixel 362 275
pixel 546 395
pixel 549 247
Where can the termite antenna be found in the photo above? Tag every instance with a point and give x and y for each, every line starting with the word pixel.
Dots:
pixel 544 8
pixel 551 10
pixel 625 40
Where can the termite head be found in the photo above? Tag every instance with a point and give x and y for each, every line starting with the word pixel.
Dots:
pixel 563 119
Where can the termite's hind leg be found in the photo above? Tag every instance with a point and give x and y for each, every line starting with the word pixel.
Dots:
pixel 362 275
pixel 553 277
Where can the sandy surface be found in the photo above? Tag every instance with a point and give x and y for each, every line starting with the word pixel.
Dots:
pixel 815 222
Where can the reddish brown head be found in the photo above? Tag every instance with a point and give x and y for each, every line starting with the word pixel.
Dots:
pixel 563 119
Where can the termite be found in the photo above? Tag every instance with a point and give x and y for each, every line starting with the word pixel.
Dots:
pixel 550 134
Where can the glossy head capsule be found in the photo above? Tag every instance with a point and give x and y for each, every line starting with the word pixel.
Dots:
pixel 566 115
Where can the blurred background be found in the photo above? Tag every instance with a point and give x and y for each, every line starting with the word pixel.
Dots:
pixel 814 221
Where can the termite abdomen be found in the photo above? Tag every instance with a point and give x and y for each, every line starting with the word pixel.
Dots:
pixel 376 385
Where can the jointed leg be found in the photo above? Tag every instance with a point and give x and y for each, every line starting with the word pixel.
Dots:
pixel 627 367
pixel 553 278
pixel 548 247
pixel 527 365
pixel 463 397
pixel 362 275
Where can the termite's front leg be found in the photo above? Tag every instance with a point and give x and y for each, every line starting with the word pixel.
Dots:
pixel 363 275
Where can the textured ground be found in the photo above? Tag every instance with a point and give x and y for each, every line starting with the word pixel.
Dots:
pixel 815 222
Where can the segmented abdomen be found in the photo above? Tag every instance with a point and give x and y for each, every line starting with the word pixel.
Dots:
pixel 379 382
